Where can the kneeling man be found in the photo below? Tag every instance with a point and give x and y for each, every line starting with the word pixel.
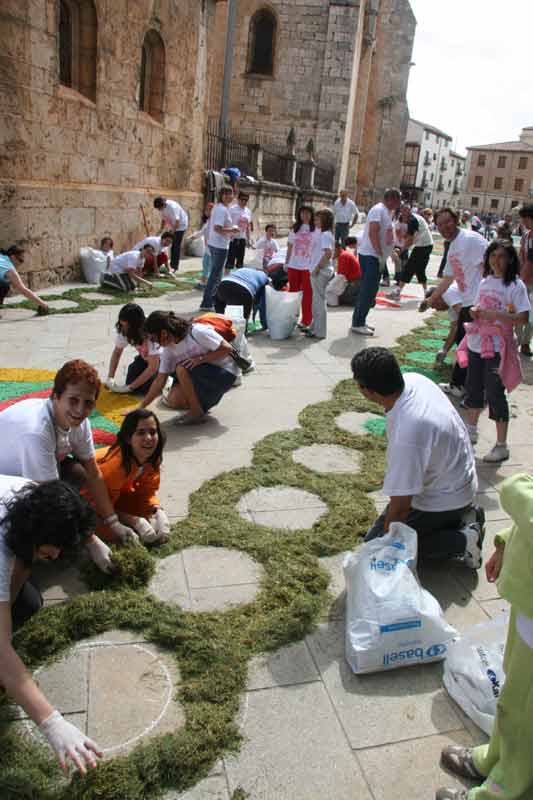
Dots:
pixel 431 476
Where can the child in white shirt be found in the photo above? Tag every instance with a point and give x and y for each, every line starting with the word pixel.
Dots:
pixel 268 245
pixel 321 272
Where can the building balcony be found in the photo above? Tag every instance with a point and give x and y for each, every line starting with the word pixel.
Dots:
pixel 427 161
pixel 456 189
pixel 443 165
pixel 440 186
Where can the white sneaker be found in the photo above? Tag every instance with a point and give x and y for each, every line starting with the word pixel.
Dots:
pixel 251 368
pixel 473 556
pixel 449 388
pixel 363 330
pixel 500 452
pixel 472 433
pixel 237 381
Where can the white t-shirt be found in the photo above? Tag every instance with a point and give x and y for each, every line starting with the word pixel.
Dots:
pixel 33 444
pixel 423 237
pixel 202 339
pixel 344 212
pixel 429 455
pixel 465 263
pixel 220 215
pixel 154 241
pixel 242 217
pixel 131 259
pixel 8 486
pixel 269 247
pixel 147 349
pixel 172 213
pixel 453 298
pixel 326 241
pixel 303 244
pixel 378 213
pixel 494 295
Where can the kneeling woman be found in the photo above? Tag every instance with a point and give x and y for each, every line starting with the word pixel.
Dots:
pixel 143 369
pixel 131 471
pixel 197 357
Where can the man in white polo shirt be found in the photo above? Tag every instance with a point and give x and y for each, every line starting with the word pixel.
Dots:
pixel 464 265
pixel 346 214
pixel 431 475
pixel 173 218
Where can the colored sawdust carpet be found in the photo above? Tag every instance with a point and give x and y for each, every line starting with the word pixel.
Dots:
pixel 23 384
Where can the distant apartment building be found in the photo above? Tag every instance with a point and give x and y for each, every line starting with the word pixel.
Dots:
pixel 499 176
pixel 432 172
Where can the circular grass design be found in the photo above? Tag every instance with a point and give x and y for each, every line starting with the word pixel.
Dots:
pixel 212 650
pixel 377 427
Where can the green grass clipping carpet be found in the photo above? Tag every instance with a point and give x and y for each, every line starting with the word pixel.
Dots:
pixel 212 650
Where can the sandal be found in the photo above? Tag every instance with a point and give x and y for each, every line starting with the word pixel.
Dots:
pixel 187 419
pixel 459 761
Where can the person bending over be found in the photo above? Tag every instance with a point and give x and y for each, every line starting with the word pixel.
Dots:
pixel 10 279
pixel 431 476
pixel 48 438
pixel 143 369
pixel 131 469
pixel 158 260
pixel 38 522
pixel 198 359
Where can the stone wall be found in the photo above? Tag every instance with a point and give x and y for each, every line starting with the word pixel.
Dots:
pixel 312 81
pixel 73 170
pixel 387 114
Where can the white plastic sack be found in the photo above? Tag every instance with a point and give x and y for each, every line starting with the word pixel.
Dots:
pixel 195 246
pixel 282 310
pixel 93 264
pixel 473 671
pixel 391 621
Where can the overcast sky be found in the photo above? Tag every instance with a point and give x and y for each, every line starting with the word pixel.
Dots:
pixel 473 69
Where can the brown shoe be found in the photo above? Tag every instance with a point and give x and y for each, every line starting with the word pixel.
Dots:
pixel 458 761
pixel 451 794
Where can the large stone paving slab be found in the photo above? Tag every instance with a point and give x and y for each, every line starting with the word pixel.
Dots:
pixel 294 748
pixel 337 584
pixel 285 667
pixel 211 788
pixel 58 305
pixel 328 458
pixel 383 707
pixel 281 507
pixel 411 770
pixel 207 579
pixel 131 695
pixel 65 682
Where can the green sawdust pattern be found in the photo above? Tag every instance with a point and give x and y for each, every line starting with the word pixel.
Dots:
pixel 186 283
pixel 212 649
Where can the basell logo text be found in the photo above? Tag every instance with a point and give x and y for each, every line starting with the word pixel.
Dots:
pixel 385 565
pixel 414 654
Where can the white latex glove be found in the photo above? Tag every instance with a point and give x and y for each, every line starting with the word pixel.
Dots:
pixel 161 524
pixel 120 389
pixel 145 530
pixel 123 534
pixel 109 383
pixel 68 741
pixel 100 554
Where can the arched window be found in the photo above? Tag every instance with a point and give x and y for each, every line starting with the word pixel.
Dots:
pixel 262 43
pixel 152 85
pixel 78 34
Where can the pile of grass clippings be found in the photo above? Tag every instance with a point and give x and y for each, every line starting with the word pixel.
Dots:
pixel 212 650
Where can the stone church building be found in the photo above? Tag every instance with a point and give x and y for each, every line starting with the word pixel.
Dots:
pixel 336 71
pixel 105 104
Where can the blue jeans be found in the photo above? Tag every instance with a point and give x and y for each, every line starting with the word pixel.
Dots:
pixel 206 264
pixel 368 291
pixel 342 230
pixel 218 259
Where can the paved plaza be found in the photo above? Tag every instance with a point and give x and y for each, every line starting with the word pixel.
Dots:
pixel 311 729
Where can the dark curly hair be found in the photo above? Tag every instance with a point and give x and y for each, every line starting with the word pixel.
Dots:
pixel 513 264
pixel 167 321
pixel 127 429
pixel 135 317
pixel 48 513
pixel 299 222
